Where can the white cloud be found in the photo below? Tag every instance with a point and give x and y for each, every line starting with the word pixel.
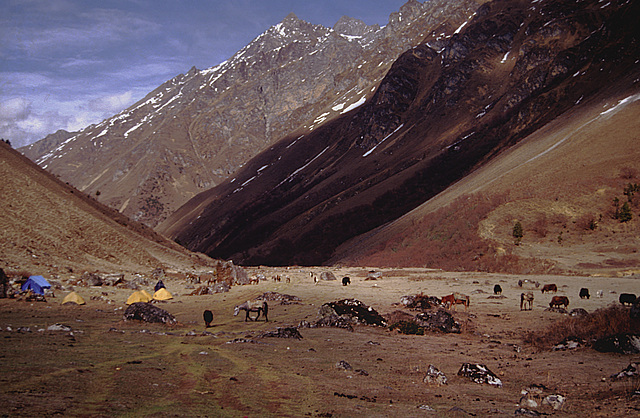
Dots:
pixel 90 31
pixel 15 81
pixel 112 104
pixel 15 109
pixel 20 124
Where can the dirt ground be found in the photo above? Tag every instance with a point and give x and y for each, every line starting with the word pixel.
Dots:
pixel 107 367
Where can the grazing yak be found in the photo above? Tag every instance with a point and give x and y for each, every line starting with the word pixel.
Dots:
pixel 558 301
pixel 497 289
pixel 252 306
pixel 208 318
pixel 584 293
pixel 346 280
pixel 549 288
pixel 627 298
pixel 526 299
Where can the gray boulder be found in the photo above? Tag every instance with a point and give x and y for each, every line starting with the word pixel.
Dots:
pixel 435 376
pixel 91 279
pixel 479 373
pixel 554 401
pixel 438 320
pixel 632 370
pixel 348 312
pixel 619 343
pixel 141 311
pixel 327 275
pixel 578 312
pixel 286 332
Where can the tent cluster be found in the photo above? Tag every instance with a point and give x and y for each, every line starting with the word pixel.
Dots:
pixel 144 296
pixel 161 293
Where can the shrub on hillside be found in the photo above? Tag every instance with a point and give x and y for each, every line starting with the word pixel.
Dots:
pixel 587 222
pixel 601 323
pixel 628 173
pixel 518 232
pixel 541 226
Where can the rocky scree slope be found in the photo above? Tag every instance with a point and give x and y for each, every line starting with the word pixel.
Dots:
pixel 198 128
pixel 446 107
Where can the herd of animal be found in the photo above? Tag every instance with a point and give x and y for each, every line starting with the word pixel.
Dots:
pixel 449 301
pixel 526 298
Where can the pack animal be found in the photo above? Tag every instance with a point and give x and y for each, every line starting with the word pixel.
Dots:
pixel 526 299
pixel 346 280
pixel 558 301
pixel 208 318
pixel 584 293
pixel 627 298
pixel 549 288
pixel 258 306
pixel 497 289
pixel 450 301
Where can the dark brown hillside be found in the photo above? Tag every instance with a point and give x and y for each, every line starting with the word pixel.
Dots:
pixel 560 183
pixel 445 108
pixel 47 226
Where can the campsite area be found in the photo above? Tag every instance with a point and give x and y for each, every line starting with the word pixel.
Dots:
pixel 95 364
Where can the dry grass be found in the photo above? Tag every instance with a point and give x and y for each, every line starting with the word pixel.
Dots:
pixel 448 239
pixel 601 323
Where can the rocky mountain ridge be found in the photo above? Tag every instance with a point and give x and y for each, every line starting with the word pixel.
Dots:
pixel 195 130
pixel 445 108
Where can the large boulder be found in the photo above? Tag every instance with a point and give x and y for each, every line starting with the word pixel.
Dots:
pixel 420 302
pixel 438 320
pixel 286 332
pixel 327 275
pixel 284 299
pixel 632 371
pixel 479 373
pixel 348 312
pixel 211 289
pixel 142 311
pixel 114 279
pixel 619 343
pixel 91 279
pixel 231 274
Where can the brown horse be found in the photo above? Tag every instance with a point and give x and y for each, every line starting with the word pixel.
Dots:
pixel 252 306
pixel 454 299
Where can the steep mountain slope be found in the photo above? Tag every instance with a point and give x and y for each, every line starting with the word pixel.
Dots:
pixel 47 226
pixel 195 130
pixel 560 183
pixel 446 107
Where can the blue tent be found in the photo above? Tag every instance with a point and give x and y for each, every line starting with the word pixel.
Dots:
pixel 37 284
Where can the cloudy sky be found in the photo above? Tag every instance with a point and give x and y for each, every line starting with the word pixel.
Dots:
pixel 65 64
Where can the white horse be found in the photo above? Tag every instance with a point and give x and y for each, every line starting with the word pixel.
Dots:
pixel 252 306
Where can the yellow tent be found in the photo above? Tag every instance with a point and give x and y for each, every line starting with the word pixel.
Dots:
pixel 162 294
pixel 138 296
pixel 73 297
